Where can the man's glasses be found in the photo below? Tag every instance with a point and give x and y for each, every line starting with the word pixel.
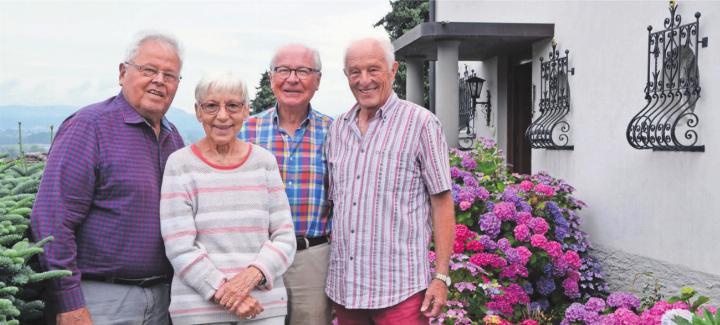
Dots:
pixel 214 108
pixel 151 72
pixel 301 72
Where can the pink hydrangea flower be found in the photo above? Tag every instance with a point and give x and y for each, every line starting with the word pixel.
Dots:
pixel 462 233
pixel 464 205
pixel 572 290
pixel 475 246
pixel 526 186
pixel 458 247
pixel 538 225
pixel 524 253
pixel 522 232
pixel 573 259
pixel 545 190
pixel 554 249
pixel 523 217
pixel 504 211
pixel 538 241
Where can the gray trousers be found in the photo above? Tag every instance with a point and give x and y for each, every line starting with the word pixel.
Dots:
pixel 305 283
pixel 118 304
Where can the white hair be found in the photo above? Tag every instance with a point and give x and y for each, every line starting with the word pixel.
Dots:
pixel 221 82
pixel 314 52
pixel 384 43
pixel 147 36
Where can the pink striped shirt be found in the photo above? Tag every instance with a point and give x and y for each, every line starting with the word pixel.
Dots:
pixel 380 185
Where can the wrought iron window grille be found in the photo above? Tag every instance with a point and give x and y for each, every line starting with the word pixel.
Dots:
pixel 470 89
pixel 551 129
pixel 668 121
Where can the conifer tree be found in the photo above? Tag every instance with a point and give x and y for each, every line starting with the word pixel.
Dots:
pixel 264 97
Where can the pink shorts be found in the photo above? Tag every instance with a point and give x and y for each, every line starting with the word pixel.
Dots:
pixel 406 312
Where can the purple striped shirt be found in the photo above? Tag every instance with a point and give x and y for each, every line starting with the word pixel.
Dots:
pixel 380 185
pixel 100 198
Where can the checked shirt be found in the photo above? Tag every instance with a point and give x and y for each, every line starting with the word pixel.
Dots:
pixel 302 165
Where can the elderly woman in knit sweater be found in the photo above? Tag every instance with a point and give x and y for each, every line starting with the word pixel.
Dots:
pixel 225 219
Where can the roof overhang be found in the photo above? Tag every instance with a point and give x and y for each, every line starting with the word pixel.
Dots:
pixel 478 41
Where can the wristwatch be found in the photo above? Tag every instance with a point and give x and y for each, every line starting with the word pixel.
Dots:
pixel 444 278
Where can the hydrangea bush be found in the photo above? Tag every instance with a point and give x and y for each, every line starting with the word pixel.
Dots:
pixel 518 247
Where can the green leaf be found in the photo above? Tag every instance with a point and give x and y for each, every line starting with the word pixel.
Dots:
pixel 679 320
pixel 700 300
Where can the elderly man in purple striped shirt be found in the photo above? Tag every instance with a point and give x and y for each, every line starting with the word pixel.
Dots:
pixel 390 186
pixel 100 196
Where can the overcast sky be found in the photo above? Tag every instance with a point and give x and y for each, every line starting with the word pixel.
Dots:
pixel 67 52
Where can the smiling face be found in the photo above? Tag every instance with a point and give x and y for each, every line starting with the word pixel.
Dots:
pixel 221 128
pixel 292 92
pixel 150 96
pixel 369 76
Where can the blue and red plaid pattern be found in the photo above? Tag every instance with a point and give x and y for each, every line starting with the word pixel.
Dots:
pixel 302 166
pixel 100 198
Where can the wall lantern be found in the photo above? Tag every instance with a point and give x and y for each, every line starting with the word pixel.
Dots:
pixel 476 83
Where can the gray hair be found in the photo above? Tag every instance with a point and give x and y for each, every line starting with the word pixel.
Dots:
pixel 314 52
pixel 384 43
pixel 222 82
pixel 146 36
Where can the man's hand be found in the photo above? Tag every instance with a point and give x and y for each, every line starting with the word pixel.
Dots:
pixel 436 295
pixel 76 317
pixel 234 291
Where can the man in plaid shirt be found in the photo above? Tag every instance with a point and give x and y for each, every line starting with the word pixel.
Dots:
pixel 295 133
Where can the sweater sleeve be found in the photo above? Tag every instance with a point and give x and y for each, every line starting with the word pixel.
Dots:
pixel 178 206
pixel 278 251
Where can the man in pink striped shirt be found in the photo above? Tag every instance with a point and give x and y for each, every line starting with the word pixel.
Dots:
pixel 390 186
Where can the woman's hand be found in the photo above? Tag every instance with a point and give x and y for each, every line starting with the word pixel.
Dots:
pixel 234 291
pixel 248 308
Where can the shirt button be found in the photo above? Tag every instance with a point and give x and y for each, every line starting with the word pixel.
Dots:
pixel 290 183
pixel 352 231
pixel 358 177
pixel 362 150
pixel 354 203
pixel 351 258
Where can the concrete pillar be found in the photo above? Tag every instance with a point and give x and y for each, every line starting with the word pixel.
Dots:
pixel 414 82
pixel 446 89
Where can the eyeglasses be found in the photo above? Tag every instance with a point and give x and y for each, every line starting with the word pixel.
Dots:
pixel 301 72
pixel 214 108
pixel 151 72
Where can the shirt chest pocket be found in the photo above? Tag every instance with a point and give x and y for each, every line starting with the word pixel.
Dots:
pixel 396 170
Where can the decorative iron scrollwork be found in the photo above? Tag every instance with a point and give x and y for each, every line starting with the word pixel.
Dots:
pixel 550 130
pixel 668 120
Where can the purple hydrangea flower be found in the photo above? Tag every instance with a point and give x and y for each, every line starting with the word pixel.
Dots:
pixel 545 285
pixel 469 163
pixel 481 193
pixel 623 300
pixel 487 242
pixel 490 225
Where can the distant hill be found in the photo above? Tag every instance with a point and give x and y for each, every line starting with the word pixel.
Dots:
pixel 36 121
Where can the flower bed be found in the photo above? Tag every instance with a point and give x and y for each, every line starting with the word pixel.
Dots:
pixel 518 252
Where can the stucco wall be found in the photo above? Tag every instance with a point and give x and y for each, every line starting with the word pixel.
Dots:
pixel 659 205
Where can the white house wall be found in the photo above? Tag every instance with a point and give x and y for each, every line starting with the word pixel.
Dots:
pixel 657 206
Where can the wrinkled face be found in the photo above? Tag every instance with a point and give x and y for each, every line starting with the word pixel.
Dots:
pixel 292 92
pixel 369 76
pixel 222 127
pixel 150 96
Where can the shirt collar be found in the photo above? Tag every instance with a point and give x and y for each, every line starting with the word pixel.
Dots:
pixel 382 112
pixel 131 116
pixel 307 121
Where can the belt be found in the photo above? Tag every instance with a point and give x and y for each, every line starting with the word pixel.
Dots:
pixel 305 243
pixel 143 282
